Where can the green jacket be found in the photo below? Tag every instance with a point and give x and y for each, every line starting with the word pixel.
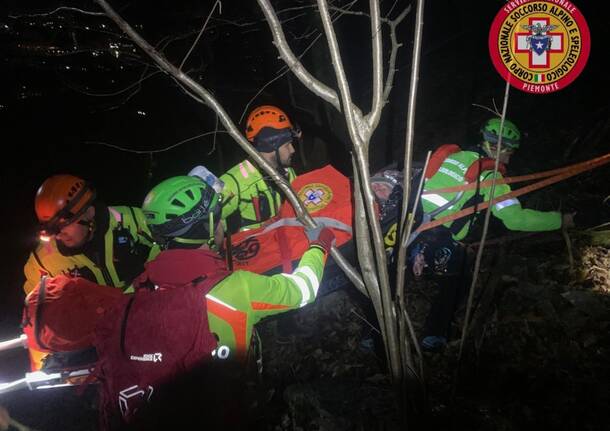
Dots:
pixel 243 298
pixel 114 256
pixel 247 199
pixel 451 173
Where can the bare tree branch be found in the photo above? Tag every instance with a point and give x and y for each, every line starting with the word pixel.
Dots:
pixel 216 3
pixel 479 256
pixel 360 134
pixel 419 24
pixel 377 103
pixel 389 82
pixel 60 9
pixel 201 93
pixel 171 147
pixel 318 88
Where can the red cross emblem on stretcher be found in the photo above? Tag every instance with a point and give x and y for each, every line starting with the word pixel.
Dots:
pixel 313 197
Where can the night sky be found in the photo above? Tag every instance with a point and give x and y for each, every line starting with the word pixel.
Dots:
pixel 63 75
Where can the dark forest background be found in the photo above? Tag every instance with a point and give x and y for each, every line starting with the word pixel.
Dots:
pixel 59 71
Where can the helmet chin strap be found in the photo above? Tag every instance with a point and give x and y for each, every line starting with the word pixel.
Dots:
pixel 279 163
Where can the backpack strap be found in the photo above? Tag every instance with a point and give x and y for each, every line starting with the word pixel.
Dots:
pixel 124 322
pixel 482 165
pixel 438 157
pixel 42 293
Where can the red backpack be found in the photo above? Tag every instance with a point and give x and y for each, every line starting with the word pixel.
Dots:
pixel 156 335
pixel 59 317
pixel 441 153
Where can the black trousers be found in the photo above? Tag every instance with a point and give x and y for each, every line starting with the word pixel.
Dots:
pixel 448 265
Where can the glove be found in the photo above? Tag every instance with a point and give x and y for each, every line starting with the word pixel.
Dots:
pixel 567 220
pixel 320 236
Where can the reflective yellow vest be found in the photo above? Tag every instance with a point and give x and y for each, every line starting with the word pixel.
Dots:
pixel 247 198
pixel 121 246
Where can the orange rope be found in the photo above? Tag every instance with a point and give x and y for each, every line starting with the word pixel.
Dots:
pixel 593 163
pixel 554 175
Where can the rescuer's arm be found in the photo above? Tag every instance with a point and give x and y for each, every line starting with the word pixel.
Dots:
pixel 268 295
pixel 517 218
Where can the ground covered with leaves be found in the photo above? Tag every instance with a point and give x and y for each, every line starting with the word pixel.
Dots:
pixel 537 354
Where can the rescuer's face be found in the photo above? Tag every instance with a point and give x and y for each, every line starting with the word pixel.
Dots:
pixel 285 153
pixel 76 234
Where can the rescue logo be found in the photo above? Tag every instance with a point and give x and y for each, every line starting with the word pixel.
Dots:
pixel 247 249
pixel 315 196
pixel 539 46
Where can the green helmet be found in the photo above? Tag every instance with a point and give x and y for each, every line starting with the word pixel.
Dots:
pixel 184 210
pixel 510 133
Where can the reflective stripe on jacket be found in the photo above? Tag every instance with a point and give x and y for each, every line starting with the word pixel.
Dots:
pixel 119 257
pixel 243 298
pixel 513 215
pixel 248 194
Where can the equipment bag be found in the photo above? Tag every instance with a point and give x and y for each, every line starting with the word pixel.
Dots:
pixel 59 318
pixel 157 335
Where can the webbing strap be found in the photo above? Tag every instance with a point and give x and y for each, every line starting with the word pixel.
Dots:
pixel 282 241
pixel 564 173
pixel 294 222
pixel 589 164
pixel 42 294
pixel 427 217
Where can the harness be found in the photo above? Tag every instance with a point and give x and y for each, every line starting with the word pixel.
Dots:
pixel 264 202
pixel 472 175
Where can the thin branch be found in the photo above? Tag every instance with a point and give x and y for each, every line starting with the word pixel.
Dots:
pixel 363 248
pixel 488 109
pixel 419 24
pixel 401 267
pixel 359 134
pixel 389 82
pixel 403 240
pixel 365 321
pixel 215 133
pixel 377 53
pixel 216 3
pixel 171 147
pixel 316 86
pixel 59 9
pixel 485 227
pixel 284 70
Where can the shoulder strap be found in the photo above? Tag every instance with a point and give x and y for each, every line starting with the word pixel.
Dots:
pixel 42 294
pixel 482 165
pixel 124 322
pixel 35 254
pixel 438 157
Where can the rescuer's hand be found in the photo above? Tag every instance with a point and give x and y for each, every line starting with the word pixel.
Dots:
pixel 567 220
pixel 320 236
pixel 5 419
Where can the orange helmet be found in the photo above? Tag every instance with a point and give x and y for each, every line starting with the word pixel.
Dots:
pixel 266 116
pixel 60 200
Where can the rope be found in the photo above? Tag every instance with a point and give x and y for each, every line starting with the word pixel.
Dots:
pixel 598 161
pixel 554 176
